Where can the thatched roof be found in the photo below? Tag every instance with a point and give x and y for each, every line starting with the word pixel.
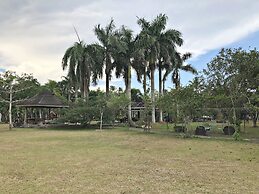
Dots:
pixel 44 99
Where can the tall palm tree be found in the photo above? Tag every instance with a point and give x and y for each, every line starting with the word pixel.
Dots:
pixel 148 38
pixel 126 59
pixel 168 40
pixel 157 43
pixel 79 64
pixel 109 42
pixel 69 62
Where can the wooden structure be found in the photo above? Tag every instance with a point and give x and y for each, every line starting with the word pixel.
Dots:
pixel 40 108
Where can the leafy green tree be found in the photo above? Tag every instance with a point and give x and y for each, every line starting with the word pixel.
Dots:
pixel 233 73
pixel 15 88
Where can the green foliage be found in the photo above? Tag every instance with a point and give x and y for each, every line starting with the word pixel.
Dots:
pixel 117 105
pixel 232 82
pixel 98 107
pixel 236 136
pixel 24 86
pixel 79 113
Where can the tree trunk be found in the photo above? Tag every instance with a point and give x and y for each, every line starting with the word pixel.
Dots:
pixel 10 108
pixel 69 97
pixel 76 93
pixel 85 92
pixel 177 87
pixel 107 83
pixel 131 123
pixel 145 80
pixel 163 86
pixel 84 89
pixel 255 117
pixel 101 123
pixel 160 91
pixel 153 95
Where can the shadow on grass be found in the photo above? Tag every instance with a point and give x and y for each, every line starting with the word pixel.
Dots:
pixel 73 128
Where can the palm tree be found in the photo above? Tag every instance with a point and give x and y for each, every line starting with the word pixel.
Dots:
pixel 109 42
pixel 157 43
pixel 168 40
pixel 79 64
pixel 180 66
pixel 69 62
pixel 124 60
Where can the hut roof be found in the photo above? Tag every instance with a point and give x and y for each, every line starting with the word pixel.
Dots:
pixel 44 99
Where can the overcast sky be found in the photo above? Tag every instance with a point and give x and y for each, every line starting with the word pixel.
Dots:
pixel 34 34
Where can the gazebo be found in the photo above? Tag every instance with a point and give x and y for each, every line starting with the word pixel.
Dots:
pixel 41 107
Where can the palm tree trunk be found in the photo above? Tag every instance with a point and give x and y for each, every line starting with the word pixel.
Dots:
pixel 85 90
pixel 10 108
pixel 107 84
pixel 160 91
pixel 177 84
pixel 145 80
pixel 163 86
pixel 153 95
pixel 76 92
pixel 255 117
pixel 131 123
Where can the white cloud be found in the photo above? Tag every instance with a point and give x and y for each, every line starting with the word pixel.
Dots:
pixel 35 34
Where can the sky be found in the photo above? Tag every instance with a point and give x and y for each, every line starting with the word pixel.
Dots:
pixel 34 34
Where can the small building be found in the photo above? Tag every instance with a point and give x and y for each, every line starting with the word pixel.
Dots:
pixel 41 108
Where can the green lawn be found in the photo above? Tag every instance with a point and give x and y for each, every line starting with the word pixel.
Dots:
pixel 122 161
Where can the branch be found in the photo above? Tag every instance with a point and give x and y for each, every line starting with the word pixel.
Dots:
pixel 16 91
pixel 3 100
pixel 5 90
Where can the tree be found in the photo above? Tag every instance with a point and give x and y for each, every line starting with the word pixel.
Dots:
pixel 233 73
pixel 14 88
pixel 124 60
pixel 158 43
pixel 148 38
pixel 109 43
pixel 80 63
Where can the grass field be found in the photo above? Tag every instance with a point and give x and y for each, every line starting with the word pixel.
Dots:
pixel 122 161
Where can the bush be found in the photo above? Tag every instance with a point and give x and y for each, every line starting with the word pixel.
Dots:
pixel 200 130
pixel 236 136
pixel 180 129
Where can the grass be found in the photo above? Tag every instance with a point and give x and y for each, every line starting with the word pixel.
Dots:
pixel 122 161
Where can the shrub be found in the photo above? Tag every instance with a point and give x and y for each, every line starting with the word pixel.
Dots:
pixel 200 130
